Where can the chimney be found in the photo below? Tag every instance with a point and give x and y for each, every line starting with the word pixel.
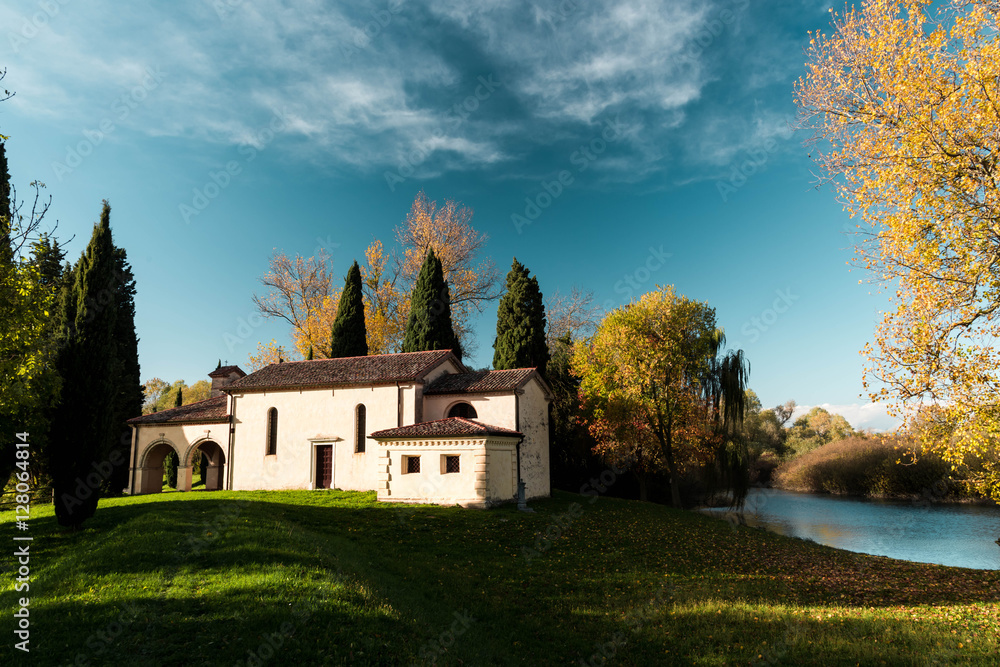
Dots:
pixel 222 376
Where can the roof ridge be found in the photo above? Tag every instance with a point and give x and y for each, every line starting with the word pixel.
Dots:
pixel 357 356
pixel 187 405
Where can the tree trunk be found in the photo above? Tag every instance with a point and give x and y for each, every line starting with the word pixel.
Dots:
pixel 675 486
pixel 644 486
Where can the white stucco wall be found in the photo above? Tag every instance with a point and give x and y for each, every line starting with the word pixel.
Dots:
pixel 533 422
pixel 306 417
pixel 494 409
pixel 486 474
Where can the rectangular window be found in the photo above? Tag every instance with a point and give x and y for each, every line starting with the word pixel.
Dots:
pixel 451 464
pixel 411 463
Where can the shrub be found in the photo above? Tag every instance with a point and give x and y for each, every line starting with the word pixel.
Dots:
pixel 877 467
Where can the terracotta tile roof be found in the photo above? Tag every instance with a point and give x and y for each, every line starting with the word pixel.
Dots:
pixel 451 427
pixel 223 371
pixel 208 410
pixel 373 369
pixel 479 382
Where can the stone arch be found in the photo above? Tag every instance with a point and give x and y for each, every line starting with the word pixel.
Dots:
pixel 151 465
pixel 462 409
pixel 215 471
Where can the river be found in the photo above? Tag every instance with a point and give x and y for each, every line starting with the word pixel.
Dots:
pixel 947 534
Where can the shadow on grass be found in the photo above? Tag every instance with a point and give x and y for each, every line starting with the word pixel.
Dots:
pixel 212 573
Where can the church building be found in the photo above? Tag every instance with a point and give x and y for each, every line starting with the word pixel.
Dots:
pixel 415 427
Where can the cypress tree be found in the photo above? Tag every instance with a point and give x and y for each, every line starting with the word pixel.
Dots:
pixel 47 256
pixel 309 357
pixel 130 394
pixel 170 464
pixel 88 362
pixel 6 253
pixel 179 399
pixel 200 465
pixel 520 341
pixel 429 325
pixel 348 337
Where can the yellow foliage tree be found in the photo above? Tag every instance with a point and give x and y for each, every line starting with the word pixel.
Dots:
pixel 653 386
pixel 387 304
pixel 302 292
pixel 267 354
pixel 389 279
pixel 907 99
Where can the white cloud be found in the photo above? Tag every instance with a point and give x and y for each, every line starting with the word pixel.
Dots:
pixel 859 415
pixel 369 85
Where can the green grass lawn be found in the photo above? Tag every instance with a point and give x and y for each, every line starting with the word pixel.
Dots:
pixel 335 577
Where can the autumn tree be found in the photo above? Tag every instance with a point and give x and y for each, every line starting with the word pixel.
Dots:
pixel 903 96
pixel 815 429
pixel 348 337
pixel 301 292
pixel 389 278
pixel 574 314
pixel 28 381
pixel 199 391
pixel 267 354
pixel 153 390
pixel 387 301
pixel 656 396
pixel 520 340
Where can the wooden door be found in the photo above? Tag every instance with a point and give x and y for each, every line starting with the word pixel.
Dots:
pixel 324 466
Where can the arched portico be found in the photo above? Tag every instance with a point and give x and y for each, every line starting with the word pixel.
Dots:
pixel 149 474
pixel 214 470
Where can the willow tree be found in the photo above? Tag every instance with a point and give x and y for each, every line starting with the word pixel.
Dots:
pixel 657 397
pixel 902 96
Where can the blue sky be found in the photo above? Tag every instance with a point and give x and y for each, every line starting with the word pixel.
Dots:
pixel 222 129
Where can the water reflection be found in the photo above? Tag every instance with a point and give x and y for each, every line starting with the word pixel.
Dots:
pixel 960 535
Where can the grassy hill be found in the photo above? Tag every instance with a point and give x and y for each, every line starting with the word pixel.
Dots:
pixel 333 578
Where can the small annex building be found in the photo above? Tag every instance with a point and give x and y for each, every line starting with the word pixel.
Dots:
pixel 415 427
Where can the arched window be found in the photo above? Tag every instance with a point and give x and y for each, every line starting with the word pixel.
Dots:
pixel 272 431
pixel 462 410
pixel 359 429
